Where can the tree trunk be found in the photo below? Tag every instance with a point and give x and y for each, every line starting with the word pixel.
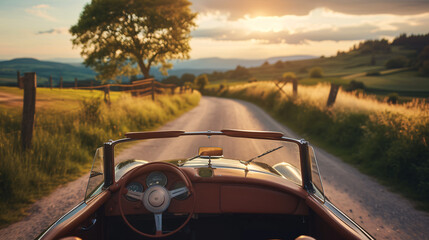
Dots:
pixel 143 69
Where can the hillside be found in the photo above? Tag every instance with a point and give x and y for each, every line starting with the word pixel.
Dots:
pixel 70 68
pixel 43 69
pixel 342 69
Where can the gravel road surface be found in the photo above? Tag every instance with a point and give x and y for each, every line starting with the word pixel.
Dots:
pixel 383 214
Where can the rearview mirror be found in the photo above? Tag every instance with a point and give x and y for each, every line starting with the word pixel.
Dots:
pixel 210 151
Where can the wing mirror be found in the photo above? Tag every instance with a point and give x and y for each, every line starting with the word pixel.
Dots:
pixel 210 151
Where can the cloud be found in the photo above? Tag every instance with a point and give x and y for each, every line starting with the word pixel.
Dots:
pixel 53 31
pixel 240 8
pixel 41 11
pixel 347 33
pixel 319 25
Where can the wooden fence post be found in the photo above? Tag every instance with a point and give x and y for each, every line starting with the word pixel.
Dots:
pixel 172 90
pixel 50 81
pixel 19 79
pixel 61 82
pixel 75 83
pixel 295 87
pixel 91 84
pixel 28 109
pixel 107 94
pixel 332 94
pixel 153 90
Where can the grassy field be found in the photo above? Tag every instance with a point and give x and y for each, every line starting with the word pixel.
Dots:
pixel 344 68
pixel 69 126
pixel 402 81
pixel 387 141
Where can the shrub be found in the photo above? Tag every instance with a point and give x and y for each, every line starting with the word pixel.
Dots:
pixel 90 110
pixel 397 62
pixel 316 72
pixel 201 81
pixel 289 75
pixel 354 85
pixel 393 98
pixel 424 69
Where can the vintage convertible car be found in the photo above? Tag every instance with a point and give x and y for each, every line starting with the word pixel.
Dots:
pixel 228 184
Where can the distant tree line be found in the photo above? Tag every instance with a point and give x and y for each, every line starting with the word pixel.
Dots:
pixel 419 60
pixel 415 42
pixel 239 73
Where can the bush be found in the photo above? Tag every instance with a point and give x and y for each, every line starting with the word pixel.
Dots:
pixel 316 72
pixel 90 110
pixel 393 98
pixel 424 69
pixel 354 85
pixel 201 82
pixel 289 75
pixel 397 62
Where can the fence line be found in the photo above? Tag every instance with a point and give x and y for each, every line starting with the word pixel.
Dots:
pixel 143 87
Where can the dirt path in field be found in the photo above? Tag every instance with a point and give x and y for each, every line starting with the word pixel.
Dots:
pixel 10 99
pixel 385 72
pixel 13 100
pixel 383 214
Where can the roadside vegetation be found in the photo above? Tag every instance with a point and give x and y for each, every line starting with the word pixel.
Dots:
pixel 387 141
pixel 69 126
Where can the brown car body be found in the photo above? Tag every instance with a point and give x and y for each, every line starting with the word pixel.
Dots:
pixel 214 193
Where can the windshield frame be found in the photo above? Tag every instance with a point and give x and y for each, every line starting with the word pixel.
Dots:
pixel 109 168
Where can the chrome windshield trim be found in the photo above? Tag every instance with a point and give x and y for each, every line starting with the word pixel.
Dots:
pixel 66 216
pixel 347 220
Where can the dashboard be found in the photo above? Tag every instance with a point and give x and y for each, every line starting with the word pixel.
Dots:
pixel 224 191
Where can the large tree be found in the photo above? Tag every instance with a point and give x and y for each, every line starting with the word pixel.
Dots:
pixel 117 35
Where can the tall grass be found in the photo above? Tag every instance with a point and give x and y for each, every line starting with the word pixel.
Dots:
pixel 65 141
pixel 387 141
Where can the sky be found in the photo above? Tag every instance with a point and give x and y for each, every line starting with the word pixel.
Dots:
pixel 252 29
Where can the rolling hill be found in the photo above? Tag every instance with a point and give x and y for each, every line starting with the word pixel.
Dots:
pixel 342 69
pixel 71 68
pixel 43 70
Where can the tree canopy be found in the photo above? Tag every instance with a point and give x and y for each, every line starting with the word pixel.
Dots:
pixel 117 35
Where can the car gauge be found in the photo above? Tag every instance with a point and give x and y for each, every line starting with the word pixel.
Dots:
pixel 135 187
pixel 156 178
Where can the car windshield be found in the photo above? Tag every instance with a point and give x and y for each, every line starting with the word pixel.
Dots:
pixel 264 155
pixel 273 157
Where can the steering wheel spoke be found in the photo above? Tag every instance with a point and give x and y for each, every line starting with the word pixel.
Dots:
pixel 158 223
pixel 178 191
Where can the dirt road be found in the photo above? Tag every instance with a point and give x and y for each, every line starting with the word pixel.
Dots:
pixel 384 214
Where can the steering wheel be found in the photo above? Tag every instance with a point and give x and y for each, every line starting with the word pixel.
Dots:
pixel 156 199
